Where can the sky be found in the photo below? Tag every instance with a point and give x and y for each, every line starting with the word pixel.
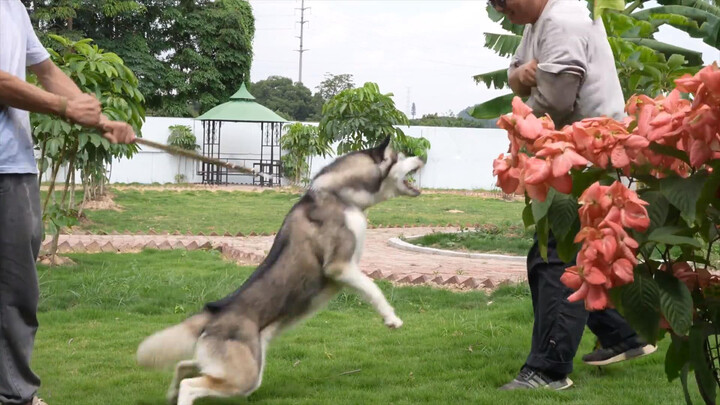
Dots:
pixel 423 51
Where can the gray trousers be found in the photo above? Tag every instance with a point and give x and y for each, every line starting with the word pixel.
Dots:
pixel 20 238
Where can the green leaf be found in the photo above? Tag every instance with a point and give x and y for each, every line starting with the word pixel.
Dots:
pixel 684 382
pixel 493 108
pixel 683 193
pixel 693 57
pixel 669 151
pixel 602 5
pixel 541 208
pixel 703 374
pixel 562 213
pixel 567 249
pixel 675 61
pixel 661 236
pixel 502 44
pixel 527 216
pixel 675 302
pixel 583 180
pixel 542 229
pixel 497 79
pixel 641 304
pixel 658 208
pixel 676 358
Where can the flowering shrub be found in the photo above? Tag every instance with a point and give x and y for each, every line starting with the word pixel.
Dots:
pixel 636 205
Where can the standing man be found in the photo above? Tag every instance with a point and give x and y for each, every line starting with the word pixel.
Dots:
pixel 565 66
pixel 20 213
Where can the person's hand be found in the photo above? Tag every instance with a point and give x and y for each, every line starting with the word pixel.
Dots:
pixel 117 132
pixel 84 109
pixel 526 73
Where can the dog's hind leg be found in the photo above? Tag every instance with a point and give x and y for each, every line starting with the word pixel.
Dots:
pixel 228 368
pixel 351 276
pixel 183 370
pixel 204 386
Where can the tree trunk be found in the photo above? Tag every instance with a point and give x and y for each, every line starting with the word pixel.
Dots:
pixel 66 189
pixel 86 193
pixel 71 204
pixel 42 163
pixel 56 168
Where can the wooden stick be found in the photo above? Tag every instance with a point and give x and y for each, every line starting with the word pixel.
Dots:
pixel 174 150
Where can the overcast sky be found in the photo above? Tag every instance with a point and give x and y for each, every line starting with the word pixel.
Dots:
pixel 423 51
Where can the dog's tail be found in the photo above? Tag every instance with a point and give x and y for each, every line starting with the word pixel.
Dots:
pixel 172 344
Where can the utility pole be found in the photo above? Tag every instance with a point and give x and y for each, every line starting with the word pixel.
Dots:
pixel 302 31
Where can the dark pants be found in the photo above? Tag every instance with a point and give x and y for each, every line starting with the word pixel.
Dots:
pixel 20 237
pixel 559 324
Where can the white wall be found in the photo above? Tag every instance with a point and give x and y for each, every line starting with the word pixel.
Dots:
pixel 459 158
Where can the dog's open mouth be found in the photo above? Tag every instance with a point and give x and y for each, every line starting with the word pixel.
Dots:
pixel 409 181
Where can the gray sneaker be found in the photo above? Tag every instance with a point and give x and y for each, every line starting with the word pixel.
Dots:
pixel 620 352
pixel 529 379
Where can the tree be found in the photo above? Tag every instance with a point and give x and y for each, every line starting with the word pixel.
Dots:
pixel 292 101
pixel 334 84
pixel 412 110
pixel 300 143
pixel 363 117
pixel 645 65
pixel 185 53
pixel 182 136
pixel 63 144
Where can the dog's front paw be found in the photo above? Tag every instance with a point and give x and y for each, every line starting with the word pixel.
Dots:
pixel 393 322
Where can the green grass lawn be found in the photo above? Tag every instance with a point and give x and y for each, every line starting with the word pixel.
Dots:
pixel 512 240
pixel 454 347
pixel 206 211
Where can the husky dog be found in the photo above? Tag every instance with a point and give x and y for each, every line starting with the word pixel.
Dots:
pixel 221 351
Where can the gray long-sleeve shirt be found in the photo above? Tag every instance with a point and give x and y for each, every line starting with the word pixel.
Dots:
pixel 576 76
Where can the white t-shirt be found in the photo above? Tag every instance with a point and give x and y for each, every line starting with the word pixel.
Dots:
pixel 19 48
pixel 565 40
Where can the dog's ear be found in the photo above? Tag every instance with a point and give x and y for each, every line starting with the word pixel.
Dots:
pixel 381 151
pixel 384 144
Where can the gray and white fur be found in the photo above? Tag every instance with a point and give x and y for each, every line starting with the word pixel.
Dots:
pixel 221 351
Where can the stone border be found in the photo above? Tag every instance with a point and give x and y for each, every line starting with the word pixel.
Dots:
pixel 401 244
pixel 248 256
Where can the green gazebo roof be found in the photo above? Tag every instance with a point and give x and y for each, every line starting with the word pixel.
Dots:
pixel 241 108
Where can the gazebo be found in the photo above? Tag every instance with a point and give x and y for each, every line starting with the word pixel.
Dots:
pixel 242 108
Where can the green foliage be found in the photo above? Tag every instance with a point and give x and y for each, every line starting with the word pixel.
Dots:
pixel 188 55
pixel 293 101
pixel 362 117
pixel 300 143
pixel 334 84
pixel 182 137
pixel 434 120
pixel 60 143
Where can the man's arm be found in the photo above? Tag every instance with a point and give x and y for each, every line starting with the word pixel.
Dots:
pixel 555 95
pixel 562 65
pixel 55 80
pixel 19 94
pixel 81 108
pixel 522 79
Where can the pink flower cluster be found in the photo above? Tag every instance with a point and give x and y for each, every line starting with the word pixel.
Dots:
pixel 608 254
pixel 542 156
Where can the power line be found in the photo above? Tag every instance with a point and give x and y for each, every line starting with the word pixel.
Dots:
pixel 302 31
